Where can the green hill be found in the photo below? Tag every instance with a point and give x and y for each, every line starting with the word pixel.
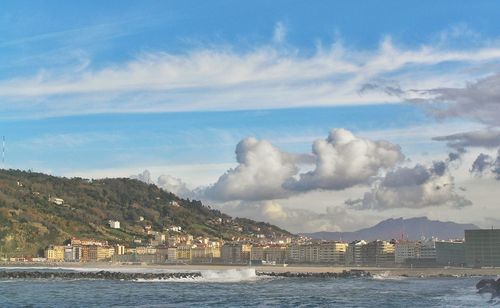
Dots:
pixel 30 219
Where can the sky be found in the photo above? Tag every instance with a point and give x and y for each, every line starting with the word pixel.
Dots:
pixel 322 116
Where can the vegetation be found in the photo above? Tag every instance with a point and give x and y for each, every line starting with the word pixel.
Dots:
pixel 30 219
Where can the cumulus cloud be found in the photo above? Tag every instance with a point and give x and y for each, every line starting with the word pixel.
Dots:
pixel 166 182
pixel 261 171
pixel 175 186
pixel 145 177
pixel 344 160
pixel 265 172
pixel 415 187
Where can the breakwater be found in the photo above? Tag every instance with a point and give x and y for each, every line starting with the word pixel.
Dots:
pixel 343 274
pixel 108 275
pixel 96 275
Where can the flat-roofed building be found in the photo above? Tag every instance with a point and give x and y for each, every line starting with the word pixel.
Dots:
pixel 236 253
pixel 332 252
pixel 450 253
pixel 172 254
pixel 405 250
pixel 354 252
pixel 184 252
pixel 104 253
pixel 205 253
pixel 55 253
pixel 378 253
pixel 482 247
pixel 270 253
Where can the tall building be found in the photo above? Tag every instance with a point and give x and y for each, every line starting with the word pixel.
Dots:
pixel 354 253
pixel 405 250
pixel 326 252
pixel 273 253
pixel 377 253
pixel 482 247
pixel 332 252
pixel 235 253
pixel 450 253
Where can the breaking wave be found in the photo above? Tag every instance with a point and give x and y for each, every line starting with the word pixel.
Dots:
pixel 387 276
pixel 216 276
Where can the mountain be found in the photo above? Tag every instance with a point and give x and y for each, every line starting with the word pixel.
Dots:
pixel 395 228
pixel 38 209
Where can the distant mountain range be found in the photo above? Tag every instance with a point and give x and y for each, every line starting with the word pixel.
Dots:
pixel 396 228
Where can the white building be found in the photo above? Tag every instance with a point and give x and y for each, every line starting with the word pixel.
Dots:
pixel 406 250
pixel 114 224
pixel 423 249
pixel 57 201
pixel 428 248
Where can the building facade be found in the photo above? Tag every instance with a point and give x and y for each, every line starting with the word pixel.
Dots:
pixel 236 253
pixel 482 247
pixel 451 253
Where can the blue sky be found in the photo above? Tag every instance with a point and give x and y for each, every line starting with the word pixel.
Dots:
pixel 112 88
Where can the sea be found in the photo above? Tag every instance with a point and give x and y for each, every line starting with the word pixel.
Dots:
pixel 241 288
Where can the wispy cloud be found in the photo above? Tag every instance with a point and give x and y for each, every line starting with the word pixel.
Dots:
pixel 223 79
pixel 279 34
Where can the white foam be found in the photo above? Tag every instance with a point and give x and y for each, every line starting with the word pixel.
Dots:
pixel 215 276
pixel 387 276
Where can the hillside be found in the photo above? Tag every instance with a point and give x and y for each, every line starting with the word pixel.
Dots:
pixel 30 219
pixel 412 228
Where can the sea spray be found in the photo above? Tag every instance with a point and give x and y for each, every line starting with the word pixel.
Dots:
pixel 229 275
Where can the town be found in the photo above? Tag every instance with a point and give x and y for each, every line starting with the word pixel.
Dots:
pixel 478 248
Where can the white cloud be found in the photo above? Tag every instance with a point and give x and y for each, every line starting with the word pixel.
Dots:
pixel 344 160
pixel 265 172
pixel 175 186
pixel 299 220
pixel 223 79
pixel 415 187
pixel 260 174
pixel 145 177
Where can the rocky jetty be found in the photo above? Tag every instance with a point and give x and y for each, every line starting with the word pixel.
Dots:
pixel 489 286
pixel 343 274
pixel 95 275
pixel 106 275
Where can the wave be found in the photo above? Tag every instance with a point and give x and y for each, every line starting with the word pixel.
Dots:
pixel 387 276
pixel 217 276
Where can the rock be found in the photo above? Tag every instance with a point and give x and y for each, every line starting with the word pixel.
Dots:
pixel 94 275
pixel 343 274
pixel 489 286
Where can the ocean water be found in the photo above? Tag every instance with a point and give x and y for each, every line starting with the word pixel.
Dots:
pixel 242 288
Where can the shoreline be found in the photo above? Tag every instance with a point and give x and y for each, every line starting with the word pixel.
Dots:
pixel 293 268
